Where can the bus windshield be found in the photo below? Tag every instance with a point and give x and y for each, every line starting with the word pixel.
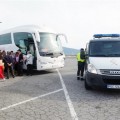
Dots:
pixel 49 45
pixel 104 49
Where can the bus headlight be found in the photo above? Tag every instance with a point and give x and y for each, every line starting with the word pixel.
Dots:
pixel 92 69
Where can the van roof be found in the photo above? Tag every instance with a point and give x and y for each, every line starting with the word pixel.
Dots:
pixel 105 39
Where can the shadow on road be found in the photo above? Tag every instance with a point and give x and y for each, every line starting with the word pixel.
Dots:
pixel 35 72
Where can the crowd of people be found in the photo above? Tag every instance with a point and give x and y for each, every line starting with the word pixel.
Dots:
pixel 12 63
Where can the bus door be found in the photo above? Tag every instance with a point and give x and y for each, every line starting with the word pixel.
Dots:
pixel 24 41
pixel 32 49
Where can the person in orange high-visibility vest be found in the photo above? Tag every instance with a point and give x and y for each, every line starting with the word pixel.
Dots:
pixel 81 63
pixel 2 77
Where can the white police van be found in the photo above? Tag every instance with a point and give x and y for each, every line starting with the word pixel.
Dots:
pixel 102 67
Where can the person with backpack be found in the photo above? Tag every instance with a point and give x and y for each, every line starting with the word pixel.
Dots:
pixel 81 63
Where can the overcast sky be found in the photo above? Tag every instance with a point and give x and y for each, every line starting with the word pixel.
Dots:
pixel 78 19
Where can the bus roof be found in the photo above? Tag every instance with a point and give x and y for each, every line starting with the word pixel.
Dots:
pixel 28 28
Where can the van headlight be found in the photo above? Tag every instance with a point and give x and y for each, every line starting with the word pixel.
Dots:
pixel 92 69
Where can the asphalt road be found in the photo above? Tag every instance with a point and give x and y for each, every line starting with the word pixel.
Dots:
pixel 56 95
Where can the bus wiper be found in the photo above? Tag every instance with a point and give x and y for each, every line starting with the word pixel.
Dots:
pixel 113 55
pixel 61 53
pixel 48 53
pixel 58 54
pixel 51 54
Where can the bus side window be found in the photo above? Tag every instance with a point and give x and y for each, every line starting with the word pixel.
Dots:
pixel 22 40
pixel 5 39
pixel 22 46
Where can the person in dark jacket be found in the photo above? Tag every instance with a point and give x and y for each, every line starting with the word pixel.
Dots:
pixel 16 63
pixel 9 66
pixel 4 61
pixel 20 63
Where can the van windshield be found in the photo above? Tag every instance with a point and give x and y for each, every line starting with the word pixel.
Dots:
pixel 104 49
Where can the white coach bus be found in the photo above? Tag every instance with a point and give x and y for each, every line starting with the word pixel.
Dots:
pixel 44 44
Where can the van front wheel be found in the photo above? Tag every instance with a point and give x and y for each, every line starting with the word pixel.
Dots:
pixel 87 87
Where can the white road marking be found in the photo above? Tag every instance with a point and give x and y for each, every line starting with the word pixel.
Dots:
pixel 14 105
pixel 71 107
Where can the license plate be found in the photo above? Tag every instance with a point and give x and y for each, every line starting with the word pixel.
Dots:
pixel 113 86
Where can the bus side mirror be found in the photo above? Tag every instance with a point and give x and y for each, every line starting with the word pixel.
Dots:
pixel 61 37
pixel 38 40
pixel 36 37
